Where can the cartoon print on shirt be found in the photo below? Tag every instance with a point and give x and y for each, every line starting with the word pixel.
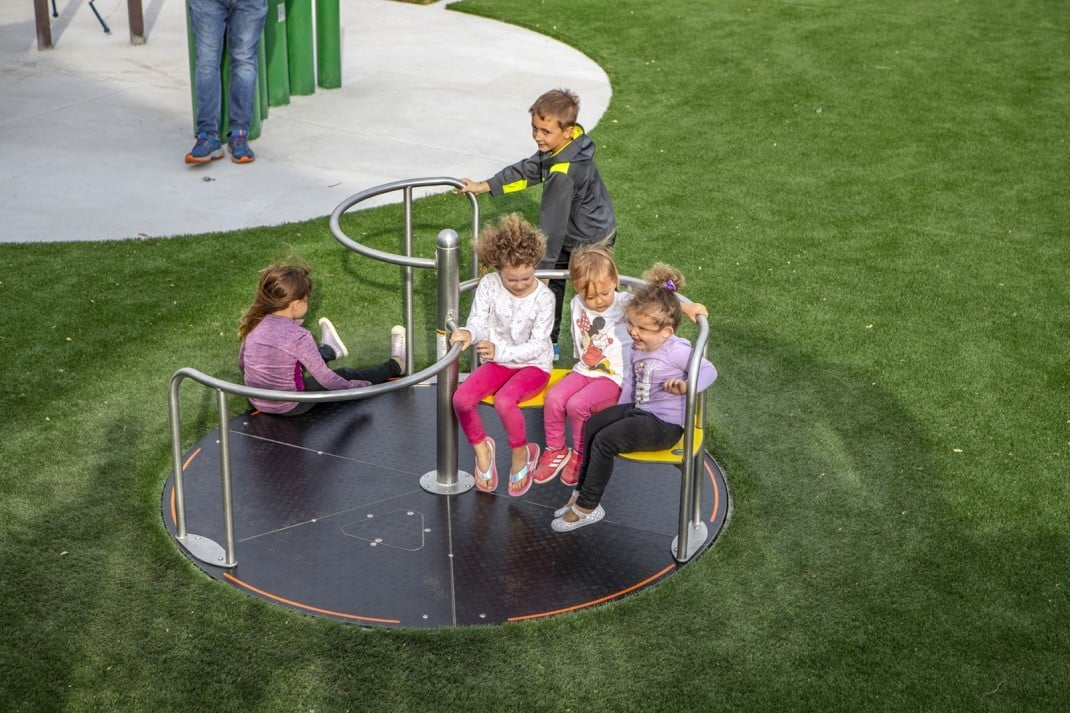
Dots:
pixel 594 342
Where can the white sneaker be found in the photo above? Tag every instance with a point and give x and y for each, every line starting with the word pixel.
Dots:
pixel 329 336
pixel 397 343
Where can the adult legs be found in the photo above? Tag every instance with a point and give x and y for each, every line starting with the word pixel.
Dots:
pixel 558 288
pixel 244 27
pixel 208 18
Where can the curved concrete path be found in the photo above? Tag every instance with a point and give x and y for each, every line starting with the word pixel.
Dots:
pixel 93 132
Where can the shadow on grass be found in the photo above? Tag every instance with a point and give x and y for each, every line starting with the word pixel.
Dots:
pixel 847 580
pixel 848 556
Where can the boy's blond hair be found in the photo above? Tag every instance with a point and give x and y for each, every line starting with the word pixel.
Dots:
pixel 560 104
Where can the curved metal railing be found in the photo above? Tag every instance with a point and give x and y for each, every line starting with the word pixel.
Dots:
pixel 408 260
pixel 205 549
pixel 446 479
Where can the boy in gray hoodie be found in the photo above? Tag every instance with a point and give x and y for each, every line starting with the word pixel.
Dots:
pixel 576 208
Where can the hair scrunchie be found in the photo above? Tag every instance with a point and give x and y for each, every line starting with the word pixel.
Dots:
pixel 670 285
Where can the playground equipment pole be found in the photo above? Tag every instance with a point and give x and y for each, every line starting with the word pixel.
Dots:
pixel 446 479
pixel 299 46
pixel 277 54
pixel 328 45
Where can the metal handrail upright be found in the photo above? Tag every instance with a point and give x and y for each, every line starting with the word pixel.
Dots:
pixel 691 531
pixel 204 548
pixel 407 261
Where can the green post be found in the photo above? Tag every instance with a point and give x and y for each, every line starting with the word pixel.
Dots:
pixel 255 121
pixel 299 46
pixel 278 70
pixel 328 44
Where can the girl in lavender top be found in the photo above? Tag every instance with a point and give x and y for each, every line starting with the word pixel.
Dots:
pixel 650 412
pixel 278 353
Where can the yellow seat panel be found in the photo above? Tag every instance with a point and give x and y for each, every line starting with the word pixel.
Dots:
pixel 667 455
pixel 538 399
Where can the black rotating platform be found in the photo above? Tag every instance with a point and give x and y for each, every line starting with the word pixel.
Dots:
pixel 330 519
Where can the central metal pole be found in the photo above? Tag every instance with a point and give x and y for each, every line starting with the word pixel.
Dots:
pixel 447 480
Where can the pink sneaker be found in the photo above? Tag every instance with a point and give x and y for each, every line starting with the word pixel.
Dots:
pixel 552 462
pixel 571 473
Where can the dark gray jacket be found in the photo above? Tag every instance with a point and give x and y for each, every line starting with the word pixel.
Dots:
pixel 576 208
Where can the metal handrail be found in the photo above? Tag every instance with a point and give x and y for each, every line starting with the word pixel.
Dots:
pixel 408 261
pixel 690 522
pixel 446 479
pixel 204 548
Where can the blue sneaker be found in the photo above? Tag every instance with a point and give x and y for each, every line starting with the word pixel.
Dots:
pixel 239 147
pixel 206 149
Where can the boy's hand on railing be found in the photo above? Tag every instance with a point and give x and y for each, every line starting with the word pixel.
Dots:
pixel 474 187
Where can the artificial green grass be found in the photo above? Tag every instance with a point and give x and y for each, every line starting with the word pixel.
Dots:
pixel 872 199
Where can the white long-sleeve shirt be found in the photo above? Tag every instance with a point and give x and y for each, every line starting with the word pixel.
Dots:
pixel 519 327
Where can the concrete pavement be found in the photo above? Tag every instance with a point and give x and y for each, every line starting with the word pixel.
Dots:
pixel 93 132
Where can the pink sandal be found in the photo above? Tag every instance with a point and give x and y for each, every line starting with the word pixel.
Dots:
pixel 487 482
pixel 525 475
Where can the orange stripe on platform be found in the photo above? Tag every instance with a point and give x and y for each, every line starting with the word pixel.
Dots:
pixel 308 607
pixel 716 490
pixel 591 603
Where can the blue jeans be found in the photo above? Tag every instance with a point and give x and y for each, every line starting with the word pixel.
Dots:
pixel 241 22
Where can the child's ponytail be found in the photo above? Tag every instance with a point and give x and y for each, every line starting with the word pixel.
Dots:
pixel 657 299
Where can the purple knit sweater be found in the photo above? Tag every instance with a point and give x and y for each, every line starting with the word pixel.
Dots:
pixel 272 355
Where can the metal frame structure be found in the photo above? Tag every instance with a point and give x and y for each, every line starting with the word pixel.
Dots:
pixel 446 479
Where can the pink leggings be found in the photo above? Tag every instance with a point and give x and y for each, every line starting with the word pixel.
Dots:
pixel 510 387
pixel 575 397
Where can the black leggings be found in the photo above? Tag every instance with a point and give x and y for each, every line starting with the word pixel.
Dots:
pixel 375 374
pixel 618 429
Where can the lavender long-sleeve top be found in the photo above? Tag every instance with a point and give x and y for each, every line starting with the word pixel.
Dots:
pixel 272 356
pixel 650 370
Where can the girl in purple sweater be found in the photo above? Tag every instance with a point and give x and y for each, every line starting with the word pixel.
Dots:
pixel 278 353
pixel 650 413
